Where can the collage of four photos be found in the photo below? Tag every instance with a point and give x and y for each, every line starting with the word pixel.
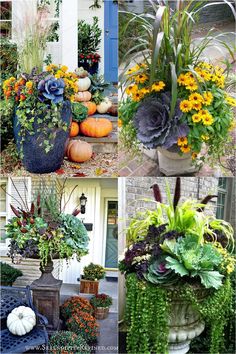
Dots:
pixel 117 188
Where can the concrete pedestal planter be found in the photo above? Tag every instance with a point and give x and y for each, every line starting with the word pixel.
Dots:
pixel 101 313
pixel 173 164
pixel 185 324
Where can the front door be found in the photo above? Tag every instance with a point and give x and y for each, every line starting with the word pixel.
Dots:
pixel 111 41
pixel 111 260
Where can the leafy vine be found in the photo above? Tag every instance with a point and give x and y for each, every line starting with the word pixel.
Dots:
pixel 148 309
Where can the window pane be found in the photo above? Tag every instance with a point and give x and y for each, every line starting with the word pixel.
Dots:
pixel 2 229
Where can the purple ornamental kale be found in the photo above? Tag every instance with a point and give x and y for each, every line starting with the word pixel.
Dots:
pixel 52 89
pixel 154 126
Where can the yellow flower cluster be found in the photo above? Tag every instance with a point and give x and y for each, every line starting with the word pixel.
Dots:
pixel 196 102
pixel 9 82
pixel 229 261
pixel 183 143
pixel 158 86
pixel 60 72
pixel 231 101
pixel 135 68
pixel 204 72
pixel 139 93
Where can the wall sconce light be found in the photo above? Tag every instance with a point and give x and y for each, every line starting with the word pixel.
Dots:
pixel 83 201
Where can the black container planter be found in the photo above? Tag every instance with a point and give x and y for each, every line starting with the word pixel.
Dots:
pixel 92 69
pixel 35 159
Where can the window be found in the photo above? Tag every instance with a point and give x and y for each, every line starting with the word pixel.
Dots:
pixel 6 18
pixel 3 212
pixel 222 196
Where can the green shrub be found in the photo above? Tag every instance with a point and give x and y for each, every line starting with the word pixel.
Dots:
pixel 79 112
pixel 8 58
pixel 94 272
pixel 6 130
pixel 9 274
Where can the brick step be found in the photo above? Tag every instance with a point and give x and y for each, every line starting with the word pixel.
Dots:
pixel 106 145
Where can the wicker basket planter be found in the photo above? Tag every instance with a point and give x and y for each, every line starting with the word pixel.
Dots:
pixel 89 286
pixel 100 313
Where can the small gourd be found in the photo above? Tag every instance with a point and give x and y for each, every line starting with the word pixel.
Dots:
pixel 84 81
pixel 104 106
pixel 21 320
pixel 83 96
pixel 92 107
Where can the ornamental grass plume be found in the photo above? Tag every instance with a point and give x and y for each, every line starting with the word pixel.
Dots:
pixel 32 31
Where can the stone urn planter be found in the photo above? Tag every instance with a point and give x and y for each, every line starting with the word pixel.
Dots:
pixel 101 313
pixel 35 159
pixel 185 322
pixel 173 164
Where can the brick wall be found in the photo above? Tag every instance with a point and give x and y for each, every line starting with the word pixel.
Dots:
pixel 139 188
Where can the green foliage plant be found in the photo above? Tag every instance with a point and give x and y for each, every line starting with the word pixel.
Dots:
pixel 101 300
pixel 79 112
pixel 93 272
pixel 89 37
pixel 9 274
pixel 62 341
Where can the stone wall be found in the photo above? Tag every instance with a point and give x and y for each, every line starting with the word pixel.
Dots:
pixel 139 188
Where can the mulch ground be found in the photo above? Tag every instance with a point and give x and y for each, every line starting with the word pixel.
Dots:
pixel 100 165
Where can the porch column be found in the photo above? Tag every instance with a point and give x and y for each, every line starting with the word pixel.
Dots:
pixel 68 31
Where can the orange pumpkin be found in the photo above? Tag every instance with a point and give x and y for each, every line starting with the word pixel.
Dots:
pixel 83 96
pixel 91 107
pixel 96 127
pixel 79 151
pixel 74 129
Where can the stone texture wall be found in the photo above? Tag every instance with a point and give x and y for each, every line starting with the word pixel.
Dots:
pixel 139 188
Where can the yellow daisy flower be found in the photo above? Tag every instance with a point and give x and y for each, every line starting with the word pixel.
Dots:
pixel 231 101
pixel 137 96
pixel 196 97
pixel 183 140
pixel 208 120
pixel 141 78
pixel 29 85
pixel 197 105
pixel 203 113
pixel 144 91
pixel 185 106
pixel 208 98
pixel 196 118
pixel 64 68
pixel 182 80
pixel 192 85
pixel 185 149
pixel 205 137
pixel 131 89
pixel 194 156
pixel 158 86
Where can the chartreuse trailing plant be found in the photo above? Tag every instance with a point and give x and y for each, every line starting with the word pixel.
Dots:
pixel 175 100
pixel 176 250
pixel 44 229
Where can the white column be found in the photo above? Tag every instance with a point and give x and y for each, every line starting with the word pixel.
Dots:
pixel 68 31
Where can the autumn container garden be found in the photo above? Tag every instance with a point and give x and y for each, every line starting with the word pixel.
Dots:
pixel 175 102
pixel 89 281
pixel 178 266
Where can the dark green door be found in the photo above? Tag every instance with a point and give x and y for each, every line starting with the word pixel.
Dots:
pixel 111 258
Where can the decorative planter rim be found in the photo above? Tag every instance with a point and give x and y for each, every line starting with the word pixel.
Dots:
pixel 101 308
pixel 174 155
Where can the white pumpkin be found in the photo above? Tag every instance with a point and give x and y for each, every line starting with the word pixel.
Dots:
pixel 104 105
pixel 84 83
pixel 21 320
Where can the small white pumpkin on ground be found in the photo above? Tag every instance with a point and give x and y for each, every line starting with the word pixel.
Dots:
pixel 21 320
pixel 103 107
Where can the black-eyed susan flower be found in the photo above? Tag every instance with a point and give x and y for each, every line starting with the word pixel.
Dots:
pixel 194 155
pixel 131 89
pixel 158 86
pixel 196 97
pixel 208 98
pixel 185 149
pixel 208 119
pixel 197 106
pixel 192 85
pixel 141 78
pixel 231 101
pixel 196 118
pixel 183 140
pixel 185 106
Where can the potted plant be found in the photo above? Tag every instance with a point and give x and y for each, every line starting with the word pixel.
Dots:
pixel 175 102
pixel 89 282
pixel 9 274
pixel 89 39
pixel 75 304
pixel 101 304
pixel 42 115
pixel 44 231
pixel 67 342
pixel 177 264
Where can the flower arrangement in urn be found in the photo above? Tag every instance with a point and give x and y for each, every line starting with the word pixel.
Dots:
pixel 101 304
pixel 44 230
pixel 178 263
pixel 175 101
pixel 89 282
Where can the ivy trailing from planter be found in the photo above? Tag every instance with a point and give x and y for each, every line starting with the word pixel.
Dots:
pixel 148 311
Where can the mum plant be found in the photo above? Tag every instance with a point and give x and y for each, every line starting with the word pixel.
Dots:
pixel 177 255
pixel 174 99
pixel 101 300
pixel 94 272
pixel 68 342
pixel 84 324
pixel 44 230
pixel 75 304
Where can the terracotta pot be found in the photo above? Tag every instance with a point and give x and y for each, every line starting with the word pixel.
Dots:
pixel 89 286
pixel 101 313
pixel 173 164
